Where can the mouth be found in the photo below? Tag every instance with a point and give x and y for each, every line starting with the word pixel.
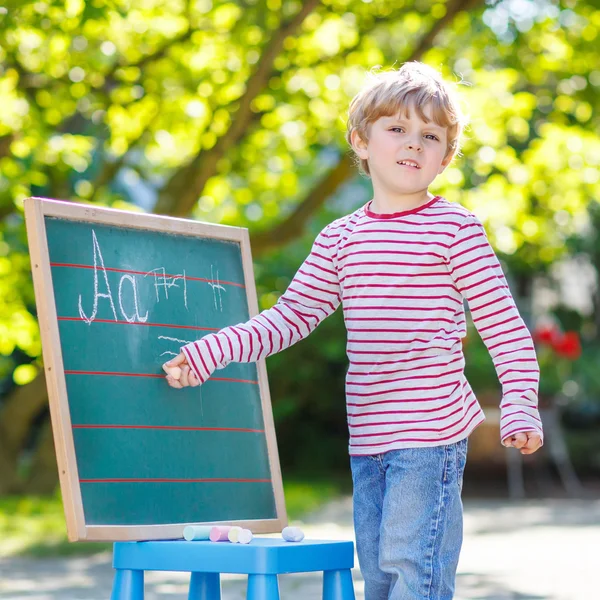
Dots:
pixel 411 164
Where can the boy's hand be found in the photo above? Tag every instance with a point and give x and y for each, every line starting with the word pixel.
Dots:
pixel 527 441
pixel 179 373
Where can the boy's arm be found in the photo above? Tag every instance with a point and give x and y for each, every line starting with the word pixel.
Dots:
pixel 479 278
pixel 313 295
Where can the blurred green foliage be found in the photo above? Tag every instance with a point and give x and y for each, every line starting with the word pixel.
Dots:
pixel 234 112
pixel 35 525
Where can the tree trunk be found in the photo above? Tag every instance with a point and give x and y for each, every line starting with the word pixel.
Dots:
pixel 43 475
pixel 293 226
pixel 182 191
pixel 17 414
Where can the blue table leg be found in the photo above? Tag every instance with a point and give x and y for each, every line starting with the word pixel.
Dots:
pixel 205 586
pixel 262 587
pixel 337 585
pixel 128 585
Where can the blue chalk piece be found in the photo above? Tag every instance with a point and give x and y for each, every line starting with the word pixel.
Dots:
pixel 196 532
pixel 292 534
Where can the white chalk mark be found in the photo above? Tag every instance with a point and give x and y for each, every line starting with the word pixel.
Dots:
pixel 155 286
pixel 172 339
pixel 135 317
pixel 158 283
pixel 170 353
pixel 97 255
pixel 165 282
pixel 216 288
pixel 173 284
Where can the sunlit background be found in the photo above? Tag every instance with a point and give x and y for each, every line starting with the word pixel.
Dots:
pixel 234 113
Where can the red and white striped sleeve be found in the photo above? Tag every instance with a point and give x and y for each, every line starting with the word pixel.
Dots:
pixel 478 276
pixel 313 295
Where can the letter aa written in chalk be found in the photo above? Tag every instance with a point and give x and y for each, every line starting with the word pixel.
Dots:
pixel 99 266
pixel 97 294
pixel 136 316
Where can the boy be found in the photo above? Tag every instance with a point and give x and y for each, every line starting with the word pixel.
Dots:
pixel 401 266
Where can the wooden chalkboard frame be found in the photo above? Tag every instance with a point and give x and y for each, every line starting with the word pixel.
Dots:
pixel 36 209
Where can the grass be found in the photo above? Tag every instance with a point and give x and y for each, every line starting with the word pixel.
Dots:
pixel 35 526
pixel 304 495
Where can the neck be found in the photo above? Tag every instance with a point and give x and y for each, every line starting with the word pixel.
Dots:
pixel 385 204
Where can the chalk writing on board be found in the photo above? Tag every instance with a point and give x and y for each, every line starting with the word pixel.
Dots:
pixel 97 294
pixel 172 339
pixel 99 264
pixel 217 288
pixel 166 282
pixel 136 316
pixel 161 281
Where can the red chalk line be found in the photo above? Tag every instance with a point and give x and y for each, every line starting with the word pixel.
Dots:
pixel 152 375
pixel 170 427
pixel 77 266
pixel 165 480
pixel 137 323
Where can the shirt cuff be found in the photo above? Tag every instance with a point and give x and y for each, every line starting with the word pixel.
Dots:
pixel 198 360
pixel 518 419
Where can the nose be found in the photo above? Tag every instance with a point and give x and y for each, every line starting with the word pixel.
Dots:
pixel 414 145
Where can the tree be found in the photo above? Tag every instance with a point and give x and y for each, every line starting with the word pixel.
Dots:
pixel 234 112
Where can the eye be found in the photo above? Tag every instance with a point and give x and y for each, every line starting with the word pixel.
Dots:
pixel 394 128
pixel 432 136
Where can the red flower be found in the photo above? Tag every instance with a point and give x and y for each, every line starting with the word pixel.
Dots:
pixel 547 334
pixel 568 345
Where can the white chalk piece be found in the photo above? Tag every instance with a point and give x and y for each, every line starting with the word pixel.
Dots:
pixel 245 536
pixel 292 534
pixel 218 533
pixel 196 532
pixel 233 534
pixel 174 372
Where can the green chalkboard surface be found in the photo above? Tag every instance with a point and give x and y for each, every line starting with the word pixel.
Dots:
pixel 118 294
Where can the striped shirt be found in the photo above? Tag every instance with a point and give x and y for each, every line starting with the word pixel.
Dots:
pixel 402 279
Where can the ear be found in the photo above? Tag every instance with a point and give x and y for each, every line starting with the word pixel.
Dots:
pixel 447 160
pixel 360 147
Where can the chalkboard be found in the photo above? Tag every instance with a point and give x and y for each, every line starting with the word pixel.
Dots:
pixel 118 293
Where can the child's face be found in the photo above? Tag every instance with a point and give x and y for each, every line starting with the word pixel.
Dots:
pixel 398 138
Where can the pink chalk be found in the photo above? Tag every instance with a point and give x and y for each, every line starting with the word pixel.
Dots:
pixel 219 533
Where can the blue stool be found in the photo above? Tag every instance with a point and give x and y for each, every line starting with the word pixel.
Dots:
pixel 262 560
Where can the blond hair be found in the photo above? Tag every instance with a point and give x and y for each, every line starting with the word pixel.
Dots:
pixel 389 93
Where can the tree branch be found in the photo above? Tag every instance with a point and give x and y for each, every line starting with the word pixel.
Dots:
pixel 453 8
pixel 181 192
pixel 109 77
pixel 6 209
pixel 24 74
pixel 110 169
pixel 43 474
pixel 293 226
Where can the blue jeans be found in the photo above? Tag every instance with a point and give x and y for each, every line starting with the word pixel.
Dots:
pixel 408 521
